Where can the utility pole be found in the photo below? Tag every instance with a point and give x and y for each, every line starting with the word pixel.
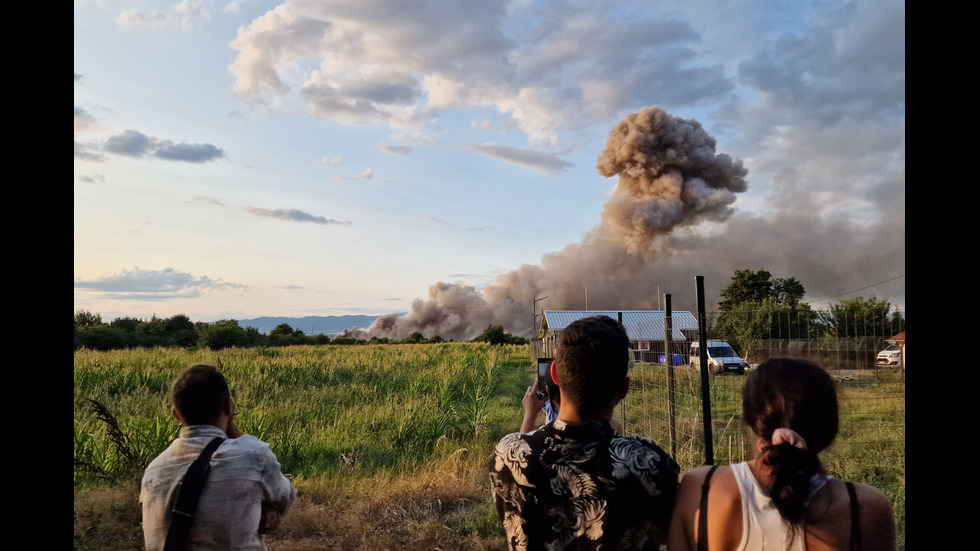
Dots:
pixel 534 313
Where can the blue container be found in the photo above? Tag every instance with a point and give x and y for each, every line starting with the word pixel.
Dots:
pixel 678 360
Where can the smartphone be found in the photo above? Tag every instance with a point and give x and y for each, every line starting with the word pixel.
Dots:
pixel 544 371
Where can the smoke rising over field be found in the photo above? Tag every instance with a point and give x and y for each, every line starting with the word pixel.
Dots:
pixel 670 176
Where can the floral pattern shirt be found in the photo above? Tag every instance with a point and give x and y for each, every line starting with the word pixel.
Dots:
pixel 580 487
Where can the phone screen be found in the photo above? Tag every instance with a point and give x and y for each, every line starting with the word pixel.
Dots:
pixel 544 368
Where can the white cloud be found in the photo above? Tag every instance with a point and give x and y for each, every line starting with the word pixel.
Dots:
pixel 153 284
pixel 332 162
pixel 182 15
pixel 394 149
pixel 207 200
pixel 545 162
pixel 294 215
pixel 399 64
pixel 132 143
pixel 366 175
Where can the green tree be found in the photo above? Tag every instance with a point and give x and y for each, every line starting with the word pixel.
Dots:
pixel 860 316
pixel 221 334
pixel 746 286
pixel 494 334
pixel 282 330
pixel 747 323
pixel 755 306
pixel 128 325
pixel 180 331
pixel 84 318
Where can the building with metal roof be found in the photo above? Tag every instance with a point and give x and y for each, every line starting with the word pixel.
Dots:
pixel 646 328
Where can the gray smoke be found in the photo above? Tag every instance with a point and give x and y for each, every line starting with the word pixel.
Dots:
pixel 669 177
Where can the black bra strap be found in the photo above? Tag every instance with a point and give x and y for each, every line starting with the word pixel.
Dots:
pixel 855 517
pixel 703 518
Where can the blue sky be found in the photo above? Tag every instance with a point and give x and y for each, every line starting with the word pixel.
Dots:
pixel 239 159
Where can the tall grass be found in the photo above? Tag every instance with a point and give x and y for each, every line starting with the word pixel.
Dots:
pixel 325 410
pixel 400 434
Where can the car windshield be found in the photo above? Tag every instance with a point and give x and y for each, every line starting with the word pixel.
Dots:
pixel 892 348
pixel 719 351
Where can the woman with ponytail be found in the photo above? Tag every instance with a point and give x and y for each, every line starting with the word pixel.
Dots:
pixel 782 499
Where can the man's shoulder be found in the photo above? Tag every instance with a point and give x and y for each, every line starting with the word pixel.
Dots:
pixel 245 442
pixel 636 446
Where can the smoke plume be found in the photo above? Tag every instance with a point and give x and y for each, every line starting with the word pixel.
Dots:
pixel 669 177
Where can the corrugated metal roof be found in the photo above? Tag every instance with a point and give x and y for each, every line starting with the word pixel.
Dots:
pixel 641 325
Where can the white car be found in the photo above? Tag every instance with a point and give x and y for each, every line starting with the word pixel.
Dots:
pixel 889 356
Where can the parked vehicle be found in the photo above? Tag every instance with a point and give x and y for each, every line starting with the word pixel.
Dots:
pixel 721 357
pixel 889 356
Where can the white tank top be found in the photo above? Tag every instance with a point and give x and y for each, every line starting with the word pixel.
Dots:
pixel 763 528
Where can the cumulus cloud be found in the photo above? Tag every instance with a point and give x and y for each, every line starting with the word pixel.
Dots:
pixel 527 158
pixel 400 64
pixel 294 215
pixel 154 284
pixel 394 149
pixel 181 15
pixel 332 162
pixel 132 143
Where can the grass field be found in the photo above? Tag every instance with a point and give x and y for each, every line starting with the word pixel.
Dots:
pixel 387 444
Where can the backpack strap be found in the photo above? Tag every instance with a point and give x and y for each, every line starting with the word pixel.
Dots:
pixel 188 495
pixel 703 518
pixel 855 517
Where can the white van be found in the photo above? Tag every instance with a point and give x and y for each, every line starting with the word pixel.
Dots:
pixel 721 357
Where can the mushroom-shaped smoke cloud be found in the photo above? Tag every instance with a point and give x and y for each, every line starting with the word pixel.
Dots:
pixel 669 176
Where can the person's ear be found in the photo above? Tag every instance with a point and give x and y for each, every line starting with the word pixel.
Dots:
pixel 624 389
pixel 230 407
pixel 554 373
pixel 176 415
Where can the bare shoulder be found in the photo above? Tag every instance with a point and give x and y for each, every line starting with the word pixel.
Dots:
pixel 877 518
pixel 723 504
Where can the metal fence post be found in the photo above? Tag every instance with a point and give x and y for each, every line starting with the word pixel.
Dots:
pixel 671 396
pixel 709 448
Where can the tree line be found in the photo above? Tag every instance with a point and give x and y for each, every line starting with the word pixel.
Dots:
pixel 755 307
pixel 128 332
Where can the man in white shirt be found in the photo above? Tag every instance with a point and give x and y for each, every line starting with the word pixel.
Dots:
pixel 245 494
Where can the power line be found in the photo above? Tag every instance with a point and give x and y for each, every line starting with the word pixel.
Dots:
pixel 855 290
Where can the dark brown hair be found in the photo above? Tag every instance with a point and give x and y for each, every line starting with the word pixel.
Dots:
pixel 200 394
pixel 798 395
pixel 592 361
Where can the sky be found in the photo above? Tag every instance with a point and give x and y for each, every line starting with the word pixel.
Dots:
pixel 250 158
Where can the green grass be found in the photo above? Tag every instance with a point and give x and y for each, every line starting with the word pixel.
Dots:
pixel 398 436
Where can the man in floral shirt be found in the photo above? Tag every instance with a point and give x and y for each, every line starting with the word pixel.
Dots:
pixel 574 484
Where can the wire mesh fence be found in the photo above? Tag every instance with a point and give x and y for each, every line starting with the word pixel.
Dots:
pixel 666 404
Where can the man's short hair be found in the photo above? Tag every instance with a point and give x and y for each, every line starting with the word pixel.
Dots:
pixel 200 395
pixel 592 361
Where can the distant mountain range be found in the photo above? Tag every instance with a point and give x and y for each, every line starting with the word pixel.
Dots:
pixel 311 325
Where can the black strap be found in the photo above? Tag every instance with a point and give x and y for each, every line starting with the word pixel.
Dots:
pixel 188 495
pixel 855 517
pixel 703 518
